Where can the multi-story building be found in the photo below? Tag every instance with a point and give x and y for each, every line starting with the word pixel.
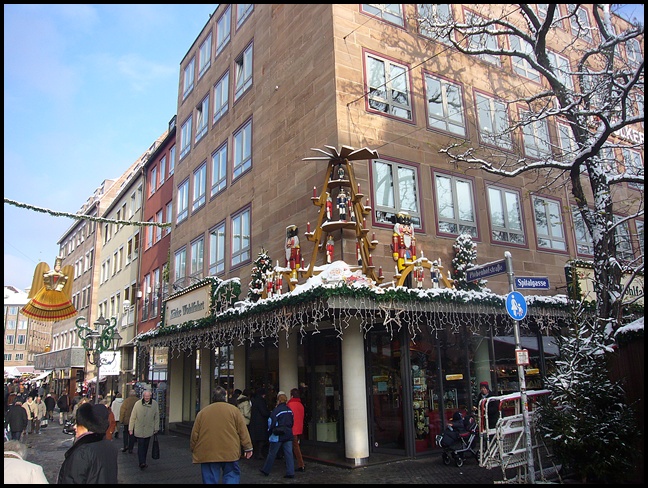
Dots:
pixel 259 88
pixel 23 336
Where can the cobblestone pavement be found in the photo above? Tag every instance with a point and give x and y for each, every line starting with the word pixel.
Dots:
pixel 175 466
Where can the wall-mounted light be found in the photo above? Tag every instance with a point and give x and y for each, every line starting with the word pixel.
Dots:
pixel 139 294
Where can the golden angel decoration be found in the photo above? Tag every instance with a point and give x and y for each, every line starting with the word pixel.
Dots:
pixel 50 293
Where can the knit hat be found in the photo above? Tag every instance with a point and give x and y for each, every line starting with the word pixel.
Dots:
pixel 483 383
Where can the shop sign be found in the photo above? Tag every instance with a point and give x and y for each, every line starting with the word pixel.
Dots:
pixel 193 305
pixel 454 377
pixel 586 283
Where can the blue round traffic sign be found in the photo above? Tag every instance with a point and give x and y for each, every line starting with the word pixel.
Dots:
pixel 516 305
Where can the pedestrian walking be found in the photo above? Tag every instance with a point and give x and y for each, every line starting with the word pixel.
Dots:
pixel 19 471
pixel 17 420
pixel 295 404
pixel 217 438
pixel 50 405
pixel 245 405
pixel 280 433
pixel 259 423
pixel 31 409
pixel 115 407
pixel 124 417
pixel 41 415
pixel 92 459
pixel 144 422
pixel 63 404
pixel 112 424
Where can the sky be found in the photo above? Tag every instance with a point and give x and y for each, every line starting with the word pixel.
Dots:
pixel 87 89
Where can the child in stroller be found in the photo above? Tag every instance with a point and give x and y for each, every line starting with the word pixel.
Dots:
pixel 458 438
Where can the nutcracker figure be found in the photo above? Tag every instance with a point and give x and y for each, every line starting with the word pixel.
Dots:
pixel 419 276
pixel 269 283
pixel 342 202
pixel 434 274
pixel 330 245
pixel 329 208
pixel 293 250
pixel 340 172
pixel 403 241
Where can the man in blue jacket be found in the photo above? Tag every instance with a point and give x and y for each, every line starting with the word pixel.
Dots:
pixel 280 426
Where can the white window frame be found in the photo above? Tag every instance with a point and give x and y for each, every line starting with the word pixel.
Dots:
pixel 241 225
pixel 493 128
pixel 391 199
pixel 384 78
pixel 199 187
pixel 511 229
pixel 442 114
pixel 172 159
pixel 202 118
pixel 520 65
pixel 242 150
pixel 438 13
pixel 243 71
pixel 169 217
pixel 580 23
pixel 204 55
pixel 549 236
pixel 185 137
pixel 163 161
pixel 568 146
pixel 180 264
pixel 219 170
pixel 535 135
pixel 160 220
pixel 153 181
pixel 481 40
pixel 217 241
pixel 460 216
pixel 188 77
pixel 623 240
pixel 223 30
pixel 197 256
pixel 392 13
pixel 182 201
pixel 221 97
pixel 243 11
pixel 634 165
pixel 582 236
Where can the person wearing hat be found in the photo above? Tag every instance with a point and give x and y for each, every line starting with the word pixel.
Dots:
pixel 259 424
pixel 92 459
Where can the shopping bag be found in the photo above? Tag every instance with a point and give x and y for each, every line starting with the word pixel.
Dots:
pixel 44 423
pixel 155 451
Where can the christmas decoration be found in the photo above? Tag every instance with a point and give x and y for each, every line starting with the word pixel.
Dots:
pixel 465 256
pixel 262 265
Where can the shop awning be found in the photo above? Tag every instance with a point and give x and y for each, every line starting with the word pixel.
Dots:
pixel 93 379
pixel 42 376
pixel 548 343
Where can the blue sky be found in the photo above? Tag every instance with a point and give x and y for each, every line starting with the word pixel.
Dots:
pixel 88 88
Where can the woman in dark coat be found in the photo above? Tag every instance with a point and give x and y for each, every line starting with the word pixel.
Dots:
pixel 259 424
pixel 92 459
pixel 17 420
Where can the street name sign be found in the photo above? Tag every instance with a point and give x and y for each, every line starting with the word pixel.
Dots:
pixel 485 270
pixel 533 282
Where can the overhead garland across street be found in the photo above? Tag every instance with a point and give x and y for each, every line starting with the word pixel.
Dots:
pixel 84 217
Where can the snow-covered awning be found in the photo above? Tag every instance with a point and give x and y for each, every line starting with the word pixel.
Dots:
pixel 42 376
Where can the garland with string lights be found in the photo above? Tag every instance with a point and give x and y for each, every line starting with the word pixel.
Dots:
pixel 56 213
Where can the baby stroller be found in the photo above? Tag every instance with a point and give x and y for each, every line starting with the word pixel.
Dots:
pixel 69 427
pixel 459 437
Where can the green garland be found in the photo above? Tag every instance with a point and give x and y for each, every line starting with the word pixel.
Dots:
pixel 85 217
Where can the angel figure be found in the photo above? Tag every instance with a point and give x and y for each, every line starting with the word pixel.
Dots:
pixel 50 293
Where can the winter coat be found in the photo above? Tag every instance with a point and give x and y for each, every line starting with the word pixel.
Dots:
pixel 116 407
pixel 17 471
pixel 218 434
pixel 17 418
pixel 145 419
pixel 452 434
pixel 50 403
pixel 112 425
pixel 126 409
pixel 245 406
pixel 63 403
pixel 90 460
pixel 259 419
pixel 295 404
pixel 280 424
pixel 32 409
pixel 41 410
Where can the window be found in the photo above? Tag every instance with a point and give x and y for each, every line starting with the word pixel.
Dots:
pixel 241 237
pixel 22 324
pixel 640 236
pixel 445 105
pixel 568 147
pixel 147 297
pixel 153 181
pixel 183 201
pixel 608 160
pixel 217 249
pixel 219 170
pixel 185 138
pixel 242 150
pixel 162 170
pixel 505 215
pixel 580 24
pixel 584 242
pixel 158 230
pixel 11 324
pixel 388 87
pixel 562 68
pixel 180 267
pixel 221 97
pixel 199 187
pixel 633 166
pixel 520 65
pixel 149 235
pixel 395 191
pixel 633 52
pixel 169 217
pixel 536 136
pixel 197 253
pixel 7 357
pixel 455 205
pixel 548 223
pixel 20 339
pixel 172 159
pixel 204 55
pixel 156 292
pixel 20 356
pixel 388 12
pixel 202 116
pixel 243 11
pixel 188 78
pixel 243 74
pixel 479 39
pixel 9 340
pixel 223 28
pixel 623 240
pixel 493 122
pixel 436 13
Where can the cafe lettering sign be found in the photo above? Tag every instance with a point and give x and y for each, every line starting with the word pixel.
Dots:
pixel 193 305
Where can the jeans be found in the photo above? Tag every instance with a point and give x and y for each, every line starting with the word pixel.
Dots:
pixel 142 448
pixel 211 473
pixel 288 454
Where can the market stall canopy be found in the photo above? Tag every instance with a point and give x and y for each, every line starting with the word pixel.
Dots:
pixel 42 375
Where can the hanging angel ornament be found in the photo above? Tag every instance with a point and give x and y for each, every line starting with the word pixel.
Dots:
pixel 51 292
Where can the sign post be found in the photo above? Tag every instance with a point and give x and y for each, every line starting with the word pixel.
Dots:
pixel 517 308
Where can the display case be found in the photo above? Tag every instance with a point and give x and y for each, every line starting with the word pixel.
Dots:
pixel 420 404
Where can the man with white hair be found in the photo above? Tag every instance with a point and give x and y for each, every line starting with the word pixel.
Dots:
pixel 19 471
pixel 144 422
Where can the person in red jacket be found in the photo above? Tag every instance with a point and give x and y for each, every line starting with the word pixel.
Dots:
pixel 297 408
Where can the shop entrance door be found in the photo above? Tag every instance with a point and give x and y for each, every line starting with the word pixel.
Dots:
pixel 386 426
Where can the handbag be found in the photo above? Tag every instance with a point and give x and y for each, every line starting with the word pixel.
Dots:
pixel 155 450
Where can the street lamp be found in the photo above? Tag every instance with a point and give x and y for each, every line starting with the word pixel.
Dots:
pixel 104 337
